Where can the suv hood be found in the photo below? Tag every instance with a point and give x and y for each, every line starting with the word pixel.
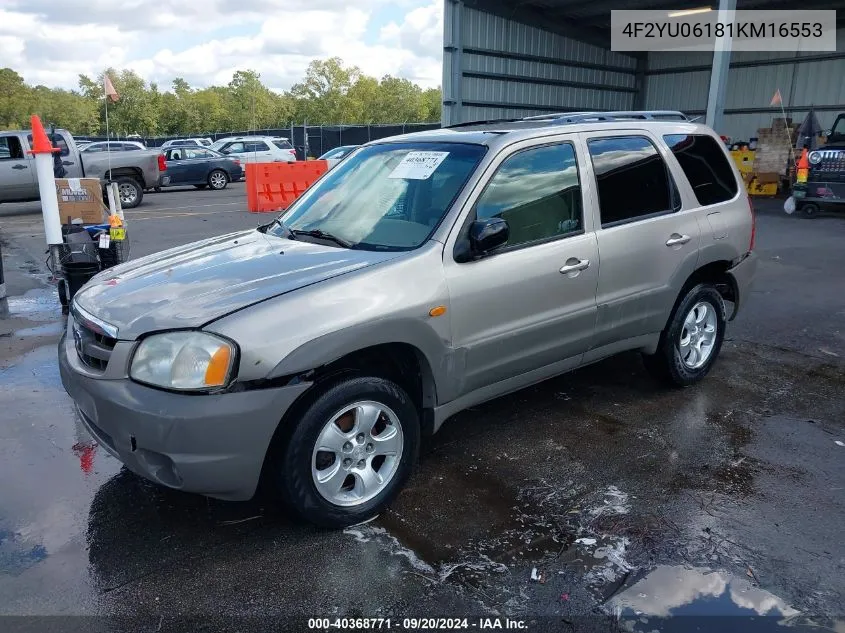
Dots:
pixel 191 285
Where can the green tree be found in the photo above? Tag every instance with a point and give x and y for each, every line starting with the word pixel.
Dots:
pixel 14 99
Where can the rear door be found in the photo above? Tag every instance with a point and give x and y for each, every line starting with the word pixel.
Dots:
pixel 197 161
pixel 177 166
pixel 260 152
pixel 646 239
pixel 17 170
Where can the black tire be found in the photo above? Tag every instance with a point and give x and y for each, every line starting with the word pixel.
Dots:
pixel 810 210
pixel 200 186
pixel 289 460
pixel 218 179
pixel 667 364
pixel 129 201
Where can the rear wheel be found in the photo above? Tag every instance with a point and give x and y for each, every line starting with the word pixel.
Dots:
pixel 218 179
pixel 349 453
pixel 692 338
pixel 131 192
pixel 810 210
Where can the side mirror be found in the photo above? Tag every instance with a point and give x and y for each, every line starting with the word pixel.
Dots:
pixel 485 236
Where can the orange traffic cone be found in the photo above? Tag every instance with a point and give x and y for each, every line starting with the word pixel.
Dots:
pixel 802 167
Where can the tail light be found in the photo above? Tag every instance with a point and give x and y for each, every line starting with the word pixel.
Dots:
pixel 162 163
pixel 292 153
pixel 237 162
pixel 753 225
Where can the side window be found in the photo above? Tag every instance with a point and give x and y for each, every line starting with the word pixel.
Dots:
pixel 234 148
pixel 633 181
pixel 257 146
pixel 705 166
pixel 10 148
pixel 537 192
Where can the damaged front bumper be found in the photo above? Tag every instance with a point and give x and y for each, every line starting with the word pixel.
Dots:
pixel 212 444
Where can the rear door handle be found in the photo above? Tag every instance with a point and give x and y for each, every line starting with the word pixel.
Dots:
pixel 68 163
pixel 19 166
pixel 676 240
pixel 575 265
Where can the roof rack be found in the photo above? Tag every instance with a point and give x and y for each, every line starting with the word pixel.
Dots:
pixel 580 117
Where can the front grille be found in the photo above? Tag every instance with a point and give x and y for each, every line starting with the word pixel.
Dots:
pixel 832 162
pixel 94 349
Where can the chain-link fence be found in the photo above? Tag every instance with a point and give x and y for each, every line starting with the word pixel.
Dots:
pixel 311 141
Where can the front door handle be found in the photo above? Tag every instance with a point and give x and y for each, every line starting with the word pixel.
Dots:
pixel 68 163
pixel 574 265
pixel 19 166
pixel 676 239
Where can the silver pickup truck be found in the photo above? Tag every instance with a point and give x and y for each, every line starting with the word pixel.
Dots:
pixel 133 171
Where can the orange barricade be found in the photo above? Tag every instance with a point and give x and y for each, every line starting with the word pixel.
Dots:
pixel 271 187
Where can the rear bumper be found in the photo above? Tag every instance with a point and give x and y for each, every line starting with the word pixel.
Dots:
pixel 209 444
pixel 742 276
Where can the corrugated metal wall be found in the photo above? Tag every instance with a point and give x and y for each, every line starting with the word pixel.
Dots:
pixel 499 68
pixel 494 67
pixel 819 83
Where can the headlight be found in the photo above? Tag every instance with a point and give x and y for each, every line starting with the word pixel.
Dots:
pixel 814 157
pixel 183 360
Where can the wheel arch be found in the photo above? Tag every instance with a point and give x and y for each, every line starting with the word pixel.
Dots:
pixel 715 273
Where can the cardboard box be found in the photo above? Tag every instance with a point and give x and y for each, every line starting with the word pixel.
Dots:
pixel 767 177
pixel 81 198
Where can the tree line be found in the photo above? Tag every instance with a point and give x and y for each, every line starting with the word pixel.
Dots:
pixel 330 93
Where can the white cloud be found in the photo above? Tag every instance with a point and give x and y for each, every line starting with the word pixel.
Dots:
pixel 53 42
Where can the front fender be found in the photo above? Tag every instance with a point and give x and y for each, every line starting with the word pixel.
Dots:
pixel 437 360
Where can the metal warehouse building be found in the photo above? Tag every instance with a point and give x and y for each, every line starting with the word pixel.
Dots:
pixel 517 58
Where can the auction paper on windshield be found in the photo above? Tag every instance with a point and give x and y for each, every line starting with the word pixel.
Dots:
pixel 418 165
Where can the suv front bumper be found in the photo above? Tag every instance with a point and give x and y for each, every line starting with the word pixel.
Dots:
pixel 211 444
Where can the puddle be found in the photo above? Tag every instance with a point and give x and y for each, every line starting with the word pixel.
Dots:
pixel 39 304
pixel 677 591
pixel 48 329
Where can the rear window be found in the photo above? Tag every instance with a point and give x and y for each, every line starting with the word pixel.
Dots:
pixel 282 144
pixel 705 166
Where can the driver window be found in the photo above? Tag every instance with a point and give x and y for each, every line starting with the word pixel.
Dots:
pixel 537 192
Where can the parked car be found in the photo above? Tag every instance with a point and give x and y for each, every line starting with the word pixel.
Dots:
pixel 425 274
pixel 187 142
pixel 201 167
pixel 134 171
pixel 256 149
pixel 334 156
pixel 113 146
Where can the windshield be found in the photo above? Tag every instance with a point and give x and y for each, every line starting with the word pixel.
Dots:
pixel 385 197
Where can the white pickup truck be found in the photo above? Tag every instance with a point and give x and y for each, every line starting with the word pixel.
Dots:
pixel 133 171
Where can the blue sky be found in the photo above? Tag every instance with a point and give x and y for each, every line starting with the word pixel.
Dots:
pixel 51 42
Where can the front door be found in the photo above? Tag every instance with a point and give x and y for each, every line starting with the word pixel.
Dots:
pixel 646 241
pixel 17 171
pixel 532 302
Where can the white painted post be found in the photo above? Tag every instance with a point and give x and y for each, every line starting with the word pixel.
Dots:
pixel 43 150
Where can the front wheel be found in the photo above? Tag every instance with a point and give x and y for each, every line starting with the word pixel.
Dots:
pixel 131 192
pixel 692 338
pixel 218 179
pixel 349 453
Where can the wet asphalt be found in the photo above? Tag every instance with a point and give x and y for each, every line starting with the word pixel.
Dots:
pixel 594 501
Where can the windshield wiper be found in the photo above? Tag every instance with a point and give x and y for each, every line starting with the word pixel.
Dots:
pixel 322 235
